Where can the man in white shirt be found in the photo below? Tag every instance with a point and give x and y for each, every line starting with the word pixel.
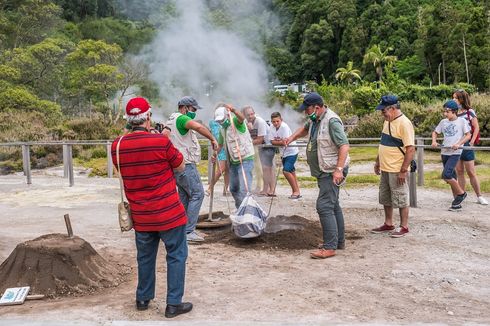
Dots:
pixel 279 132
pixel 258 129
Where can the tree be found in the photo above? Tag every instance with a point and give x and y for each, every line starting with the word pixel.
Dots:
pixel 379 59
pixel 348 73
pixel 316 50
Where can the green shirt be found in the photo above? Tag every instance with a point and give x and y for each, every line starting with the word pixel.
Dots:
pixel 241 127
pixel 181 122
pixel 338 136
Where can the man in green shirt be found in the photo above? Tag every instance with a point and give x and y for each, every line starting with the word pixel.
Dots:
pixel 327 155
pixel 235 138
pixel 183 136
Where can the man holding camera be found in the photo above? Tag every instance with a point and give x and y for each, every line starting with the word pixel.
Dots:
pixel 395 153
pixel 183 136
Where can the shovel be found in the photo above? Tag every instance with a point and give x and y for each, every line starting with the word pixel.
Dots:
pixel 211 195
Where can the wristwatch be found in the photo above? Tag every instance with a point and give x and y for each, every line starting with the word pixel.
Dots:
pixel 339 168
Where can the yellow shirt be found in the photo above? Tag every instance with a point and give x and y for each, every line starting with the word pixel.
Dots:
pixel 402 134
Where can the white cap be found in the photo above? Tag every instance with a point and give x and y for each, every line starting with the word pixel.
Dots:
pixel 220 114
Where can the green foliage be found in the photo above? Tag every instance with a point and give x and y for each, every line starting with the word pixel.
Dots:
pixel 370 125
pixel 86 129
pixel 365 99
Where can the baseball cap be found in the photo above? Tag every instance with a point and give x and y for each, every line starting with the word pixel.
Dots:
pixel 189 101
pixel 137 105
pixel 387 100
pixel 452 105
pixel 220 114
pixel 311 99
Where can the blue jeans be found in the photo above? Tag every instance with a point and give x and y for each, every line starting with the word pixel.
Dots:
pixel 191 193
pixel 330 213
pixel 237 184
pixel 147 248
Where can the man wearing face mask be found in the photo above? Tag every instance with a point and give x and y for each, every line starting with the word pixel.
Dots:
pixel 183 136
pixel 327 155
pixel 239 149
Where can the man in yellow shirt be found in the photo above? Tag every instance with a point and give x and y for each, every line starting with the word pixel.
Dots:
pixel 395 152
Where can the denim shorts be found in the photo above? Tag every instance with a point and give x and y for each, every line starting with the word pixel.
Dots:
pixel 449 162
pixel 288 163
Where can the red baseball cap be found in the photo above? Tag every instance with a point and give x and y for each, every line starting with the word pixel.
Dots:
pixel 137 105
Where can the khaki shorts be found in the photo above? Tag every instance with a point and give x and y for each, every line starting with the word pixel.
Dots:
pixel 392 194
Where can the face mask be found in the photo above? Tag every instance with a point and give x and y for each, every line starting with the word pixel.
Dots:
pixel 190 114
pixel 225 124
pixel 312 116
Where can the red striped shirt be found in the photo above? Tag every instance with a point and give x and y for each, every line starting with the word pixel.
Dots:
pixel 147 162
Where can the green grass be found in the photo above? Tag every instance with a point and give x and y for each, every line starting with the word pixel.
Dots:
pixel 433 179
pixel 363 154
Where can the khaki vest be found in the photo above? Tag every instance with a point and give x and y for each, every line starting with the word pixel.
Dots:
pixel 187 144
pixel 244 142
pixel 328 152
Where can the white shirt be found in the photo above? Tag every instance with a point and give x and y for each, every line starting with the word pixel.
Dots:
pixel 283 132
pixel 453 132
pixel 260 128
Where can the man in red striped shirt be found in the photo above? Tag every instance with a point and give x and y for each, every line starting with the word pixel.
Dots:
pixel 147 162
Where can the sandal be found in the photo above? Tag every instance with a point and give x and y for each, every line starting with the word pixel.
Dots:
pixel 295 197
pixel 271 195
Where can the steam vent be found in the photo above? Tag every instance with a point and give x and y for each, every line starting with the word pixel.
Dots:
pixel 57 265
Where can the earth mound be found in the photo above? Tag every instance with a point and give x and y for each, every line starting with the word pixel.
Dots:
pixel 57 265
pixel 281 233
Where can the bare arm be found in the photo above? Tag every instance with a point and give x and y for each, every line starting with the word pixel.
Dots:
pixel 434 139
pixel 239 115
pixel 259 140
pixel 300 132
pixel 476 130
pixel 191 124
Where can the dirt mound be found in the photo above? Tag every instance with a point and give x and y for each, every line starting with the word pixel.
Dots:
pixel 282 232
pixel 57 265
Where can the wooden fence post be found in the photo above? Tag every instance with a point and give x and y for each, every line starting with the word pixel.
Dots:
pixel 420 162
pixel 65 161
pixel 109 161
pixel 70 164
pixel 412 186
pixel 26 162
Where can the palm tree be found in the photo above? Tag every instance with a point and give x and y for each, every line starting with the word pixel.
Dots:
pixel 348 73
pixel 379 59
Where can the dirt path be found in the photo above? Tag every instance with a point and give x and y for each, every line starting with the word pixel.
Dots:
pixel 439 273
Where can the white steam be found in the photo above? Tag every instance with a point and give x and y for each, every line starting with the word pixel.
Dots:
pixel 190 56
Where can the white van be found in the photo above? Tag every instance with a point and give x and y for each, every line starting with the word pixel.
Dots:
pixel 281 89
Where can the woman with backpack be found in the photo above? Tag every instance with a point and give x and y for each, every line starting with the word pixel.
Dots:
pixel 467 159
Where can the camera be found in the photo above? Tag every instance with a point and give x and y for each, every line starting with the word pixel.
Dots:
pixel 159 127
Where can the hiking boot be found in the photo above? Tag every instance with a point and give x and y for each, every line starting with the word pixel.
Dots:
pixel 399 232
pixel 175 310
pixel 142 304
pixel 455 208
pixel 482 201
pixel 194 237
pixel 322 253
pixel 383 228
pixel 459 199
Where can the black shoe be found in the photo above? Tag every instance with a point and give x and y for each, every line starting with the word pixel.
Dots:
pixel 142 304
pixel 455 208
pixel 175 310
pixel 459 199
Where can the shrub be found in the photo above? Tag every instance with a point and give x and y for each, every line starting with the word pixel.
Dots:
pixel 365 99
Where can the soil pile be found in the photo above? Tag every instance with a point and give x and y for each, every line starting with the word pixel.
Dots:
pixel 282 233
pixel 57 265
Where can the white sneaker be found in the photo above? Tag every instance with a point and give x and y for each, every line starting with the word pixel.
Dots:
pixel 482 201
pixel 194 237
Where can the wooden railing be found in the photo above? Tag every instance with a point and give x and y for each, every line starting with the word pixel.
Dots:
pixel 416 178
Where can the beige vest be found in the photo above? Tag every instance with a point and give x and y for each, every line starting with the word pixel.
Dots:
pixel 244 142
pixel 328 152
pixel 187 144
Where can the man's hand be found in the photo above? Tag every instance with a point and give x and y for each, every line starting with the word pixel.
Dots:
pixel 288 140
pixel 215 145
pixel 402 177
pixel 213 157
pixel 377 171
pixel 338 176
pixel 435 144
